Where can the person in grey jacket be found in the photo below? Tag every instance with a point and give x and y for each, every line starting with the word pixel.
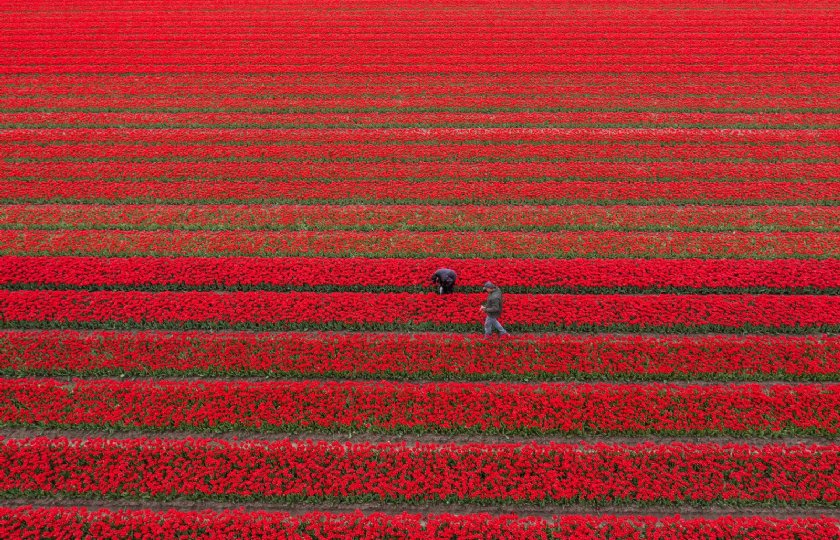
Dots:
pixel 444 280
pixel 493 309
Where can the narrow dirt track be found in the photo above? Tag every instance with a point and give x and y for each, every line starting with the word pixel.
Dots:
pixel 545 512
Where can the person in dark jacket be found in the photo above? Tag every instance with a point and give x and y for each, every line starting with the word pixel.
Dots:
pixel 493 309
pixel 444 280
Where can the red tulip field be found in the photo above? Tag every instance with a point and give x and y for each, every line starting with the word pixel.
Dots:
pixel 219 222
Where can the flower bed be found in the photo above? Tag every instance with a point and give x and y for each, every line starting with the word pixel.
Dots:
pixel 408 244
pixel 524 275
pixel 399 473
pixel 420 356
pixel 676 313
pixel 450 408
pixel 121 524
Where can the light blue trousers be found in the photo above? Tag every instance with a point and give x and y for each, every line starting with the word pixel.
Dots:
pixel 492 323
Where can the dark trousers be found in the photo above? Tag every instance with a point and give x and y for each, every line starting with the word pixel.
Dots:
pixel 447 287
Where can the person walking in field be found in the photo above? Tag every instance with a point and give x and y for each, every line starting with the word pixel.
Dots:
pixel 444 280
pixel 493 309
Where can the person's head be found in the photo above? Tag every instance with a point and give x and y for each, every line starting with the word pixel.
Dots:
pixel 488 286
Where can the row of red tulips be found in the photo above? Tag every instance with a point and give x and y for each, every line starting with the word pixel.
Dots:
pixel 396 472
pixel 50 58
pixel 243 187
pixel 617 119
pixel 28 522
pixel 544 275
pixel 424 217
pixel 527 32
pixel 564 102
pixel 294 50
pixel 423 244
pixel 442 150
pixel 346 310
pixel 545 43
pixel 493 136
pixel 389 407
pixel 52 62
pixel 420 356
pixel 410 86
pixel 172 88
pixel 401 169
